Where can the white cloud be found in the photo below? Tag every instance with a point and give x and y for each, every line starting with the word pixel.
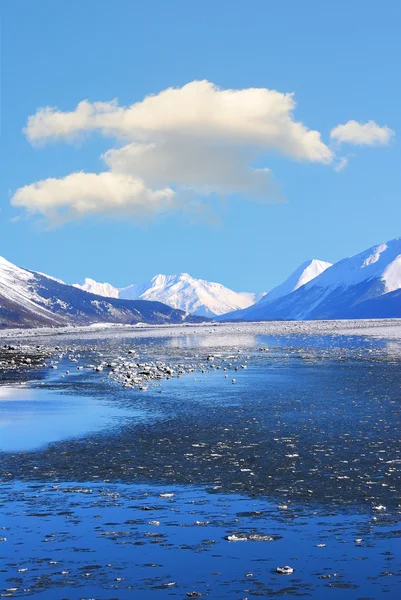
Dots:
pixel 196 140
pixel 362 134
pixel 178 146
pixel 197 112
pixel 81 194
pixel 202 167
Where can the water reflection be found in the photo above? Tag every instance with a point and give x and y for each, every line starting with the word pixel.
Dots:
pixel 15 393
pixel 31 418
pixel 213 341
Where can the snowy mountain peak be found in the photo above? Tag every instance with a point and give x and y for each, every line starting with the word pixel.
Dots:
pixel 311 269
pixel 305 273
pixel 366 285
pixel 195 296
pixel 381 262
pixel 100 289
pixel 162 280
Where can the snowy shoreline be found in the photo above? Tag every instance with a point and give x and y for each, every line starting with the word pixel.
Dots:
pixel 382 328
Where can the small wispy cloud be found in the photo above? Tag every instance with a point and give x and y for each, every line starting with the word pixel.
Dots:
pixel 362 134
pixel 341 164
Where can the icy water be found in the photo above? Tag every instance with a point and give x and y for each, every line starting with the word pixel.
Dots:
pixel 197 485
pixel 32 418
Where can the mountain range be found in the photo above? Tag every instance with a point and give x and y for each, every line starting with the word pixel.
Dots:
pixel 31 299
pixel 204 298
pixel 367 285
pixel 195 296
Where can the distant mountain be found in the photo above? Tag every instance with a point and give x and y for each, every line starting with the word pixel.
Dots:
pixel 30 299
pixel 100 289
pixel 194 296
pixel 305 273
pixel 366 285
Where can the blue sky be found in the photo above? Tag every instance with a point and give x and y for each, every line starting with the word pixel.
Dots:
pixel 341 62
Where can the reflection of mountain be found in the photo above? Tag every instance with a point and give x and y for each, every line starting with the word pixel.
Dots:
pixel 215 341
pixel 393 349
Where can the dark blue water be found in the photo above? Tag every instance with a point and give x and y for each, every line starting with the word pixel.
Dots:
pixel 304 448
pixel 127 541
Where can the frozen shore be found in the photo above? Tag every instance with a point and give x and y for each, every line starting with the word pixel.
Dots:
pixel 382 328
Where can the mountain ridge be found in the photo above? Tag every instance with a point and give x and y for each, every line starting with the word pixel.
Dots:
pixel 366 285
pixel 306 272
pixel 194 296
pixel 29 298
pixel 352 287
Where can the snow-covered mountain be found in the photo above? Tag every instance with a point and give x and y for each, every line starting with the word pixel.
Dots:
pixel 305 273
pixel 194 296
pixel 30 299
pixel 100 289
pixel 302 275
pixel 19 301
pixel 367 285
pixel 363 286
